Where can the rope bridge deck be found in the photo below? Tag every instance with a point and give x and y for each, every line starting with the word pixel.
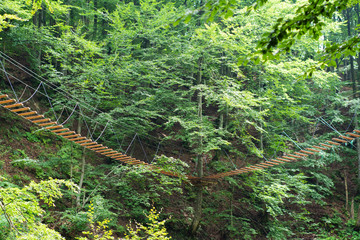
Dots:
pixel 58 129
pixel 46 123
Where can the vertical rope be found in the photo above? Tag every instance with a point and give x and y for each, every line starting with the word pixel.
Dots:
pixel 131 143
pixel 292 140
pixel 23 92
pixel 37 89
pixel 142 148
pixel 157 150
pixel 7 77
pixel 229 159
pixel 87 126
pixel 51 106
pixel 102 132
pixel 70 115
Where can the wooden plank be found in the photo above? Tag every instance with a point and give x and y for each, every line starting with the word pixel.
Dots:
pixel 13 105
pixel 262 165
pixel 303 151
pixel 353 134
pixel 60 130
pixel 27 113
pixel 83 141
pixel 106 150
pixel 47 124
pixel 65 133
pixel 7 101
pixel 42 120
pixel 301 154
pixel 290 158
pixel 122 158
pixel 322 148
pixel 295 156
pixel 339 140
pixel 20 110
pixel 4 96
pixel 274 160
pixel 326 145
pixel 76 139
pixel 281 159
pixel 333 143
pixel 87 144
pixel 100 148
pixel 115 155
pixel 92 147
pixel 71 136
pixel 345 137
pixel 34 117
pixel 358 131
pixel 106 153
pixel 54 127
pixel 313 150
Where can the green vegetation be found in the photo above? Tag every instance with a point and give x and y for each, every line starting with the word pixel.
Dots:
pixel 192 87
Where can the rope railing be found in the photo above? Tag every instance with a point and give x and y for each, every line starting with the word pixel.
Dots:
pixel 16 106
pixel 295 156
pixel 58 129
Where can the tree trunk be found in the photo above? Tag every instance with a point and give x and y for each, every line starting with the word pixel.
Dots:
pixel 95 19
pixel 83 162
pixel 346 192
pixel 199 166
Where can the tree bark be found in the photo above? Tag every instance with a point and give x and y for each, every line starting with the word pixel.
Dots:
pixel 199 166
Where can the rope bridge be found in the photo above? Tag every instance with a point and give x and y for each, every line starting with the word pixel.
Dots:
pixel 19 108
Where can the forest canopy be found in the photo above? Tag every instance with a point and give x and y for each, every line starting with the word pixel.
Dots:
pixel 191 88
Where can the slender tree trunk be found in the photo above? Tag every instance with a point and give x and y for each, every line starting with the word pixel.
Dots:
pixel 83 163
pixel 95 19
pixel 199 167
pixel 346 192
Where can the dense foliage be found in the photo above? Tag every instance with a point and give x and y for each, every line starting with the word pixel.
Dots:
pixel 196 88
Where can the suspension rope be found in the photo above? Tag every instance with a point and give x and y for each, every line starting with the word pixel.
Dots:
pixel 102 131
pixel 157 150
pixel 87 126
pixel 23 93
pixel 61 91
pixel 61 113
pixel 326 124
pixel 132 128
pixel 32 94
pixel 131 143
pixel 292 140
pixel 70 115
pixel 351 121
pixel 116 137
pixel 51 106
pixel 7 77
pixel 230 159
pixel 142 148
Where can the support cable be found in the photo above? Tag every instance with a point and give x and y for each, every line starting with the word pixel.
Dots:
pixel 130 143
pixel 230 159
pixel 326 124
pixel 292 140
pixel 7 77
pixel 23 92
pixel 55 88
pixel 157 150
pixel 32 94
pixel 70 115
pixel 142 148
pixel 102 132
pixel 47 95
pixel 87 126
